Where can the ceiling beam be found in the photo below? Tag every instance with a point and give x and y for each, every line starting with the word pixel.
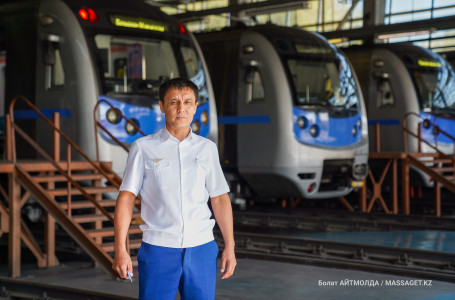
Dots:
pixel 272 4
pixel 368 32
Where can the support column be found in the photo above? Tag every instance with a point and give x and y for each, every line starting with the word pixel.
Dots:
pixel 437 198
pixel 373 14
pixel 49 229
pixel 14 251
pixel 405 186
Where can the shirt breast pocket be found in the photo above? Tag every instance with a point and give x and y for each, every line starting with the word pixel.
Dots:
pixel 201 168
pixel 161 171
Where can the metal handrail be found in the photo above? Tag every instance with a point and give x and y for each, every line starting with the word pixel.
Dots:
pixel 98 124
pixel 419 138
pixel 16 128
pixel 437 130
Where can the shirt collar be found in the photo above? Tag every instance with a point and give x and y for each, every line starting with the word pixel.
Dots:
pixel 165 135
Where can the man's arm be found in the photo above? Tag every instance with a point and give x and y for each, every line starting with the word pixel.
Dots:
pixel 222 209
pixel 122 219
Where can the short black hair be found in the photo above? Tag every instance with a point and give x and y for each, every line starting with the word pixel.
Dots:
pixel 178 83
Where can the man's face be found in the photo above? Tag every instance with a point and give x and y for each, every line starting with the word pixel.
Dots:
pixel 179 108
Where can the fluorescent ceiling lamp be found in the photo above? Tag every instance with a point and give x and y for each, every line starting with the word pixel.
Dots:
pixel 402 34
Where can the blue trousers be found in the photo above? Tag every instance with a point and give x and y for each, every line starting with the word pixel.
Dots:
pixel 163 270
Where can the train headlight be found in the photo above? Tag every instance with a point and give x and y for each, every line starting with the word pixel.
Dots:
pixel 360 170
pixel 301 122
pixel 196 127
pixel 130 129
pixel 426 124
pixel 204 117
pixel 359 123
pixel 314 131
pixel 113 116
pixel 354 131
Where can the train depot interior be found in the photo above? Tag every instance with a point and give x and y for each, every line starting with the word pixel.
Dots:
pixel 334 122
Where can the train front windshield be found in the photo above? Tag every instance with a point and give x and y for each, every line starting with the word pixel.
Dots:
pixel 435 84
pixel 138 66
pixel 322 78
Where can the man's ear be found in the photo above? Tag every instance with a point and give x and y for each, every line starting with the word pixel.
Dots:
pixel 161 106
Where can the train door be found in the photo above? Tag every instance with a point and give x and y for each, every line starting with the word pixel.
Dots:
pixel 254 103
pixel 65 76
pixel 388 97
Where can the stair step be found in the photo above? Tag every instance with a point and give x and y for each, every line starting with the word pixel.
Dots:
pixel 134 244
pixel 422 154
pixel 89 190
pixel 105 232
pixel 443 169
pixel 45 166
pixel 89 204
pixel 87 218
pixel 76 177
pixel 442 161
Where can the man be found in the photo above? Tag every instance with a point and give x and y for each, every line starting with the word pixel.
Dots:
pixel 175 171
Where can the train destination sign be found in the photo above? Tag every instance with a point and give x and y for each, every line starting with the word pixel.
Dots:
pixel 138 23
pixel 429 63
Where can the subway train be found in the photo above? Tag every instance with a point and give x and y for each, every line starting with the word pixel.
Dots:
pixel 292 123
pixel 66 55
pixel 398 79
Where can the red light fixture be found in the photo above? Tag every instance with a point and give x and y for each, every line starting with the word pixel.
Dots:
pixel 311 187
pixel 88 14
pixel 182 29
pixel 83 13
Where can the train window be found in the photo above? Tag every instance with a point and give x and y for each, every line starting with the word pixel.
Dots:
pixel 323 83
pixel 385 95
pixel 195 72
pixel 258 87
pixel 191 61
pixel 436 87
pixel 135 65
pixel 59 76
pixel 54 74
pixel 255 88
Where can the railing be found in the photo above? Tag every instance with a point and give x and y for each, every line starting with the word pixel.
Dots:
pixel 437 130
pixel 418 136
pixel 59 133
pixel 98 124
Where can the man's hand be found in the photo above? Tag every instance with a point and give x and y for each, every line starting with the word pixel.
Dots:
pixel 228 263
pixel 122 263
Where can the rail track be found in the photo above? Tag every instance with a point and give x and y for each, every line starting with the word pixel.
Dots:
pixel 21 289
pixel 263 236
pixel 340 221
pixel 382 259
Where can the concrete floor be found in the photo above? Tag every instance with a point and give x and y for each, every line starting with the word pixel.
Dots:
pixel 257 279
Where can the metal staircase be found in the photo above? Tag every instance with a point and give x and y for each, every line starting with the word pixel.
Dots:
pixel 438 165
pixel 79 195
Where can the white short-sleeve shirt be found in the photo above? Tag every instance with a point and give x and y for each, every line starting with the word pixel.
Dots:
pixel 175 179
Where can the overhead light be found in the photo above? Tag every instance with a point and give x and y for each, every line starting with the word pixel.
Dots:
pixel 337 40
pixel 276 8
pixel 402 34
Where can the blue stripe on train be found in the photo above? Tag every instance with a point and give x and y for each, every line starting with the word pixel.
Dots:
pixel 385 122
pixel 233 120
pixel 48 112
